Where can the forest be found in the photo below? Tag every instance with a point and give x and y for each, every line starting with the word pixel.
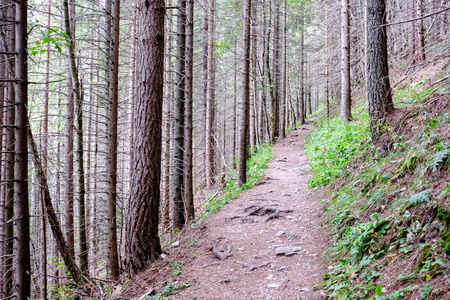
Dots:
pixel 126 124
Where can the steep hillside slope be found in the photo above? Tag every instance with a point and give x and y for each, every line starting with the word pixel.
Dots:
pixel 388 210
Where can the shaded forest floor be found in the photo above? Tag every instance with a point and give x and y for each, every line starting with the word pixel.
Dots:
pixel 274 233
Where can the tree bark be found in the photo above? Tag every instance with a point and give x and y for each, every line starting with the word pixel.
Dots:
pixel 2 177
pixel 420 31
pixel 252 109
pixel 8 282
pixel 269 78
pixel 22 266
pixel 68 166
pixel 113 257
pixel 178 218
pixel 327 100
pixel 284 107
pixel 210 103
pixel 345 62
pixel 142 245
pixel 302 113
pixel 242 177
pixel 167 127
pixel 44 150
pixel 276 68
pixel 378 85
pixel 204 87
pixel 76 86
pixel 188 167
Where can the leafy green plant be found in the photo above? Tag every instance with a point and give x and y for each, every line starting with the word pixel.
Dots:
pixel 442 157
pixel 54 36
pixel 169 289
pixel 425 291
pixel 332 145
pixel 176 269
pixel 398 294
pixel 419 198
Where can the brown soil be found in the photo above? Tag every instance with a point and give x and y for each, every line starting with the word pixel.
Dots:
pixel 280 212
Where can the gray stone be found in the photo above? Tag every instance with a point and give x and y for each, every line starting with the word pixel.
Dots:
pixel 280 233
pixel 274 285
pixel 270 277
pixel 283 268
pixel 410 238
pixel 287 250
pixel 175 244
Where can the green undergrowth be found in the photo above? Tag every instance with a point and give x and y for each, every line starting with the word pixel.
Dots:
pixel 256 165
pixel 388 212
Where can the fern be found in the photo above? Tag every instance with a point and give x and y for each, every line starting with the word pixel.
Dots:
pixel 419 198
pixel 441 157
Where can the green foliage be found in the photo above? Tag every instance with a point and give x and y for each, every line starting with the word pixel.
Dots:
pixel 333 145
pixel 54 36
pixel 441 157
pixel 168 289
pixel 406 94
pixel 444 217
pixel 363 176
pixel 425 292
pixel 60 292
pixel 379 289
pixel 176 269
pixel 419 198
pixel 399 294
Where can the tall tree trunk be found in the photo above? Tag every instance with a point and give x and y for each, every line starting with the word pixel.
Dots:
pixel 68 167
pixel 113 257
pixel 178 217
pixel 210 104
pixel 188 167
pixel 204 88
pixel 276 68
pixel 142 243
pixel 413 33
pixel 420 31
pixel 167 127
pixel 302 113
pixel 345 62
pixel 284 107
pixel 269 78
pixel 246 98
pixel 378 85
pixel 253 98
pixel 132 82
pixel 327 72
pixel 84 265
pixel 10 109
pixel 22 266
pixel 44 149
pixel 235 103
pixel 2 177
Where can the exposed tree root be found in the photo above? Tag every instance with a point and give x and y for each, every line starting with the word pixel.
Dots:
pixel 252 267
pixel 222 255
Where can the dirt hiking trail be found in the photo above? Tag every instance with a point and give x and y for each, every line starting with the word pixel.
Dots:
pixel 280 215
